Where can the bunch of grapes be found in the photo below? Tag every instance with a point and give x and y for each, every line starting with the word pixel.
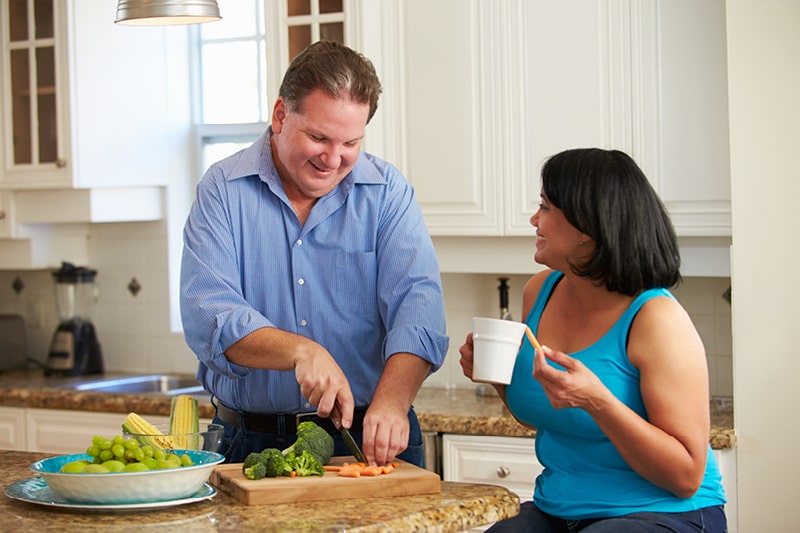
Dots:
pixel 118 454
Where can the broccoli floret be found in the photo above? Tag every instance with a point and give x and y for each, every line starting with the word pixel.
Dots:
pixel 269 462
pixel 314 439
pixel 255 471
pixel 275 462
pixel 305 463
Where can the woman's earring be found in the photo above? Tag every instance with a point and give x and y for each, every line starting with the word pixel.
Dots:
pixel 581 243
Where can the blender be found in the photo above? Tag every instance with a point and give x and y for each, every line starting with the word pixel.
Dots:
pixel 74 350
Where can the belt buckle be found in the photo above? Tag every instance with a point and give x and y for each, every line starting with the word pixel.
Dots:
pixel 303 417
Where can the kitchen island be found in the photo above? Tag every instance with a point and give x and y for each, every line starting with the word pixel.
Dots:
pixel 458 507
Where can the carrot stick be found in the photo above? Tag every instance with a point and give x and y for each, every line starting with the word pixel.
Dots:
pixel 348 472
pixel 331 468
pixel 532 339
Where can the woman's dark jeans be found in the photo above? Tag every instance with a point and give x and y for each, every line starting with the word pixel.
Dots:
pixel 531 518
pixel 238 443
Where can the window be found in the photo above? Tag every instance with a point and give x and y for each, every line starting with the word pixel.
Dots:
pixel 240 61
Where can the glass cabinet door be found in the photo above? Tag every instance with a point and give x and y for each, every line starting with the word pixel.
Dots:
pixel 29 46
pixel 312 20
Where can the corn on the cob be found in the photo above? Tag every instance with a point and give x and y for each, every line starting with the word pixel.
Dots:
pixel 184 422
pixel 146 432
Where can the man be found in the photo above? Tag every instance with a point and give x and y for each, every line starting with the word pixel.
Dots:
pixel 309 281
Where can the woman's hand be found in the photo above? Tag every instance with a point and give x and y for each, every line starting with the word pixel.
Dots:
pixel 467 352
pixel 575 386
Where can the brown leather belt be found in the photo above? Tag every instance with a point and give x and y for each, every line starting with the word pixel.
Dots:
pixel 282 423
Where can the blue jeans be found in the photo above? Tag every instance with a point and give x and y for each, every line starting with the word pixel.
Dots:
pixel 531 518
pixel 237 442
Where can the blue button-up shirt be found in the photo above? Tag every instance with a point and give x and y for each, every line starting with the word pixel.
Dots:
pixel 361 277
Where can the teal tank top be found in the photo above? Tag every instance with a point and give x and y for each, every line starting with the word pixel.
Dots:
pixel 584 476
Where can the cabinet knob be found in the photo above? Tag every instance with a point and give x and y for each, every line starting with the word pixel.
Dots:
pixel 61 163
pixel 503 471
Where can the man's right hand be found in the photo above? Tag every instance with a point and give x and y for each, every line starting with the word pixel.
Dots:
pixel 320 378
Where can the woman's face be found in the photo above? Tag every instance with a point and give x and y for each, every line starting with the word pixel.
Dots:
pixel 317 145
pixel 557 241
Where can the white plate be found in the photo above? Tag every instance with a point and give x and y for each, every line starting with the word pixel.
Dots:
pixel 35 490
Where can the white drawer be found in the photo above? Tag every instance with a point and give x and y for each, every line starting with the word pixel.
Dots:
pixel 507 461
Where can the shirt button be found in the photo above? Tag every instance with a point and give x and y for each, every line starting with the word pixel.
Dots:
pixel 307 405
pixel 299 242
pixel 303 323
pixel 301 281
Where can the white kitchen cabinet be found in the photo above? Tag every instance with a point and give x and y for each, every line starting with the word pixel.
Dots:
pixel 64 431
pixel 6 214
pixel 12 428
pixel 493 88
pixel 507 461
pixel 85 101
pixel 726 459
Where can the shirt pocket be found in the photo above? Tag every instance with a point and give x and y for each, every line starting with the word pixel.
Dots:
pixel 357 280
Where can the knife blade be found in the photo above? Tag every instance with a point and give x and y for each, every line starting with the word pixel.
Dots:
pixel 348 438
pixel 352 445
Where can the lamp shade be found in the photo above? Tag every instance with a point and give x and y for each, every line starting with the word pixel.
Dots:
pixel 166 12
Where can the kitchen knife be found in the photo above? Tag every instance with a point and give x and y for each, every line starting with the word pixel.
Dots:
pixel 352 445
pixel 348 438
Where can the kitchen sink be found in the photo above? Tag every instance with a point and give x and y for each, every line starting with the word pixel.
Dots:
pixel 149 384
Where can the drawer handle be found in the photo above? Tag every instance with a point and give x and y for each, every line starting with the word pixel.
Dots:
pixel 503 471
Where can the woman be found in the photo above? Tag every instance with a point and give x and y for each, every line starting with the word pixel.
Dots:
pixel 619 391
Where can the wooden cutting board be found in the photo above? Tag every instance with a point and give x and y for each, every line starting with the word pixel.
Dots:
pixel 405 480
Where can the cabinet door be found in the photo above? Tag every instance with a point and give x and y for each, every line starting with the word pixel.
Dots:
pixel 507 461
pixel 87 103
pixel 12 428
pixel 65 432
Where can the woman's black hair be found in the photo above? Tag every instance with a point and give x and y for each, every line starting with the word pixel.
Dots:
pixel 606 195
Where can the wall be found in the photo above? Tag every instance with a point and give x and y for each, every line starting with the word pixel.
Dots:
pixel 135 330
pixel 764 79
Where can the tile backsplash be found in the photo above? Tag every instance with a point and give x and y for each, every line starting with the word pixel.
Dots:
pixel 136 335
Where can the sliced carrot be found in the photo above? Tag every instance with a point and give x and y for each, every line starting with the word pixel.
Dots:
pixel 331 468
pixel 349 472
pixel 292 474
pixel 371 471
pixel 387 469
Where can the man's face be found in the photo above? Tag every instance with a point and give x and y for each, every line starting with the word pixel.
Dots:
pixel 316 146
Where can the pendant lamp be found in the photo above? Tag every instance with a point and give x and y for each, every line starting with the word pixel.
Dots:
pixel 166 12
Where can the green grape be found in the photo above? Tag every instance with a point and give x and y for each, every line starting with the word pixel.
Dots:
pixel 186 460
pixel 117 439
pixel 150 463
pixel 136 467
pixel 131 444
pixel 93 450
pixel 96 469
pixel 163 465
pixel 105 455
pixel 114 466
pixel 105 444
pixel 118 450
pixel 75 467
pixel 159 455
pixel 148 450
pixel 97 439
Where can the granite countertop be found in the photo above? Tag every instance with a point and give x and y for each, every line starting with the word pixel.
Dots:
pixel 442 410
pixel 458 507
